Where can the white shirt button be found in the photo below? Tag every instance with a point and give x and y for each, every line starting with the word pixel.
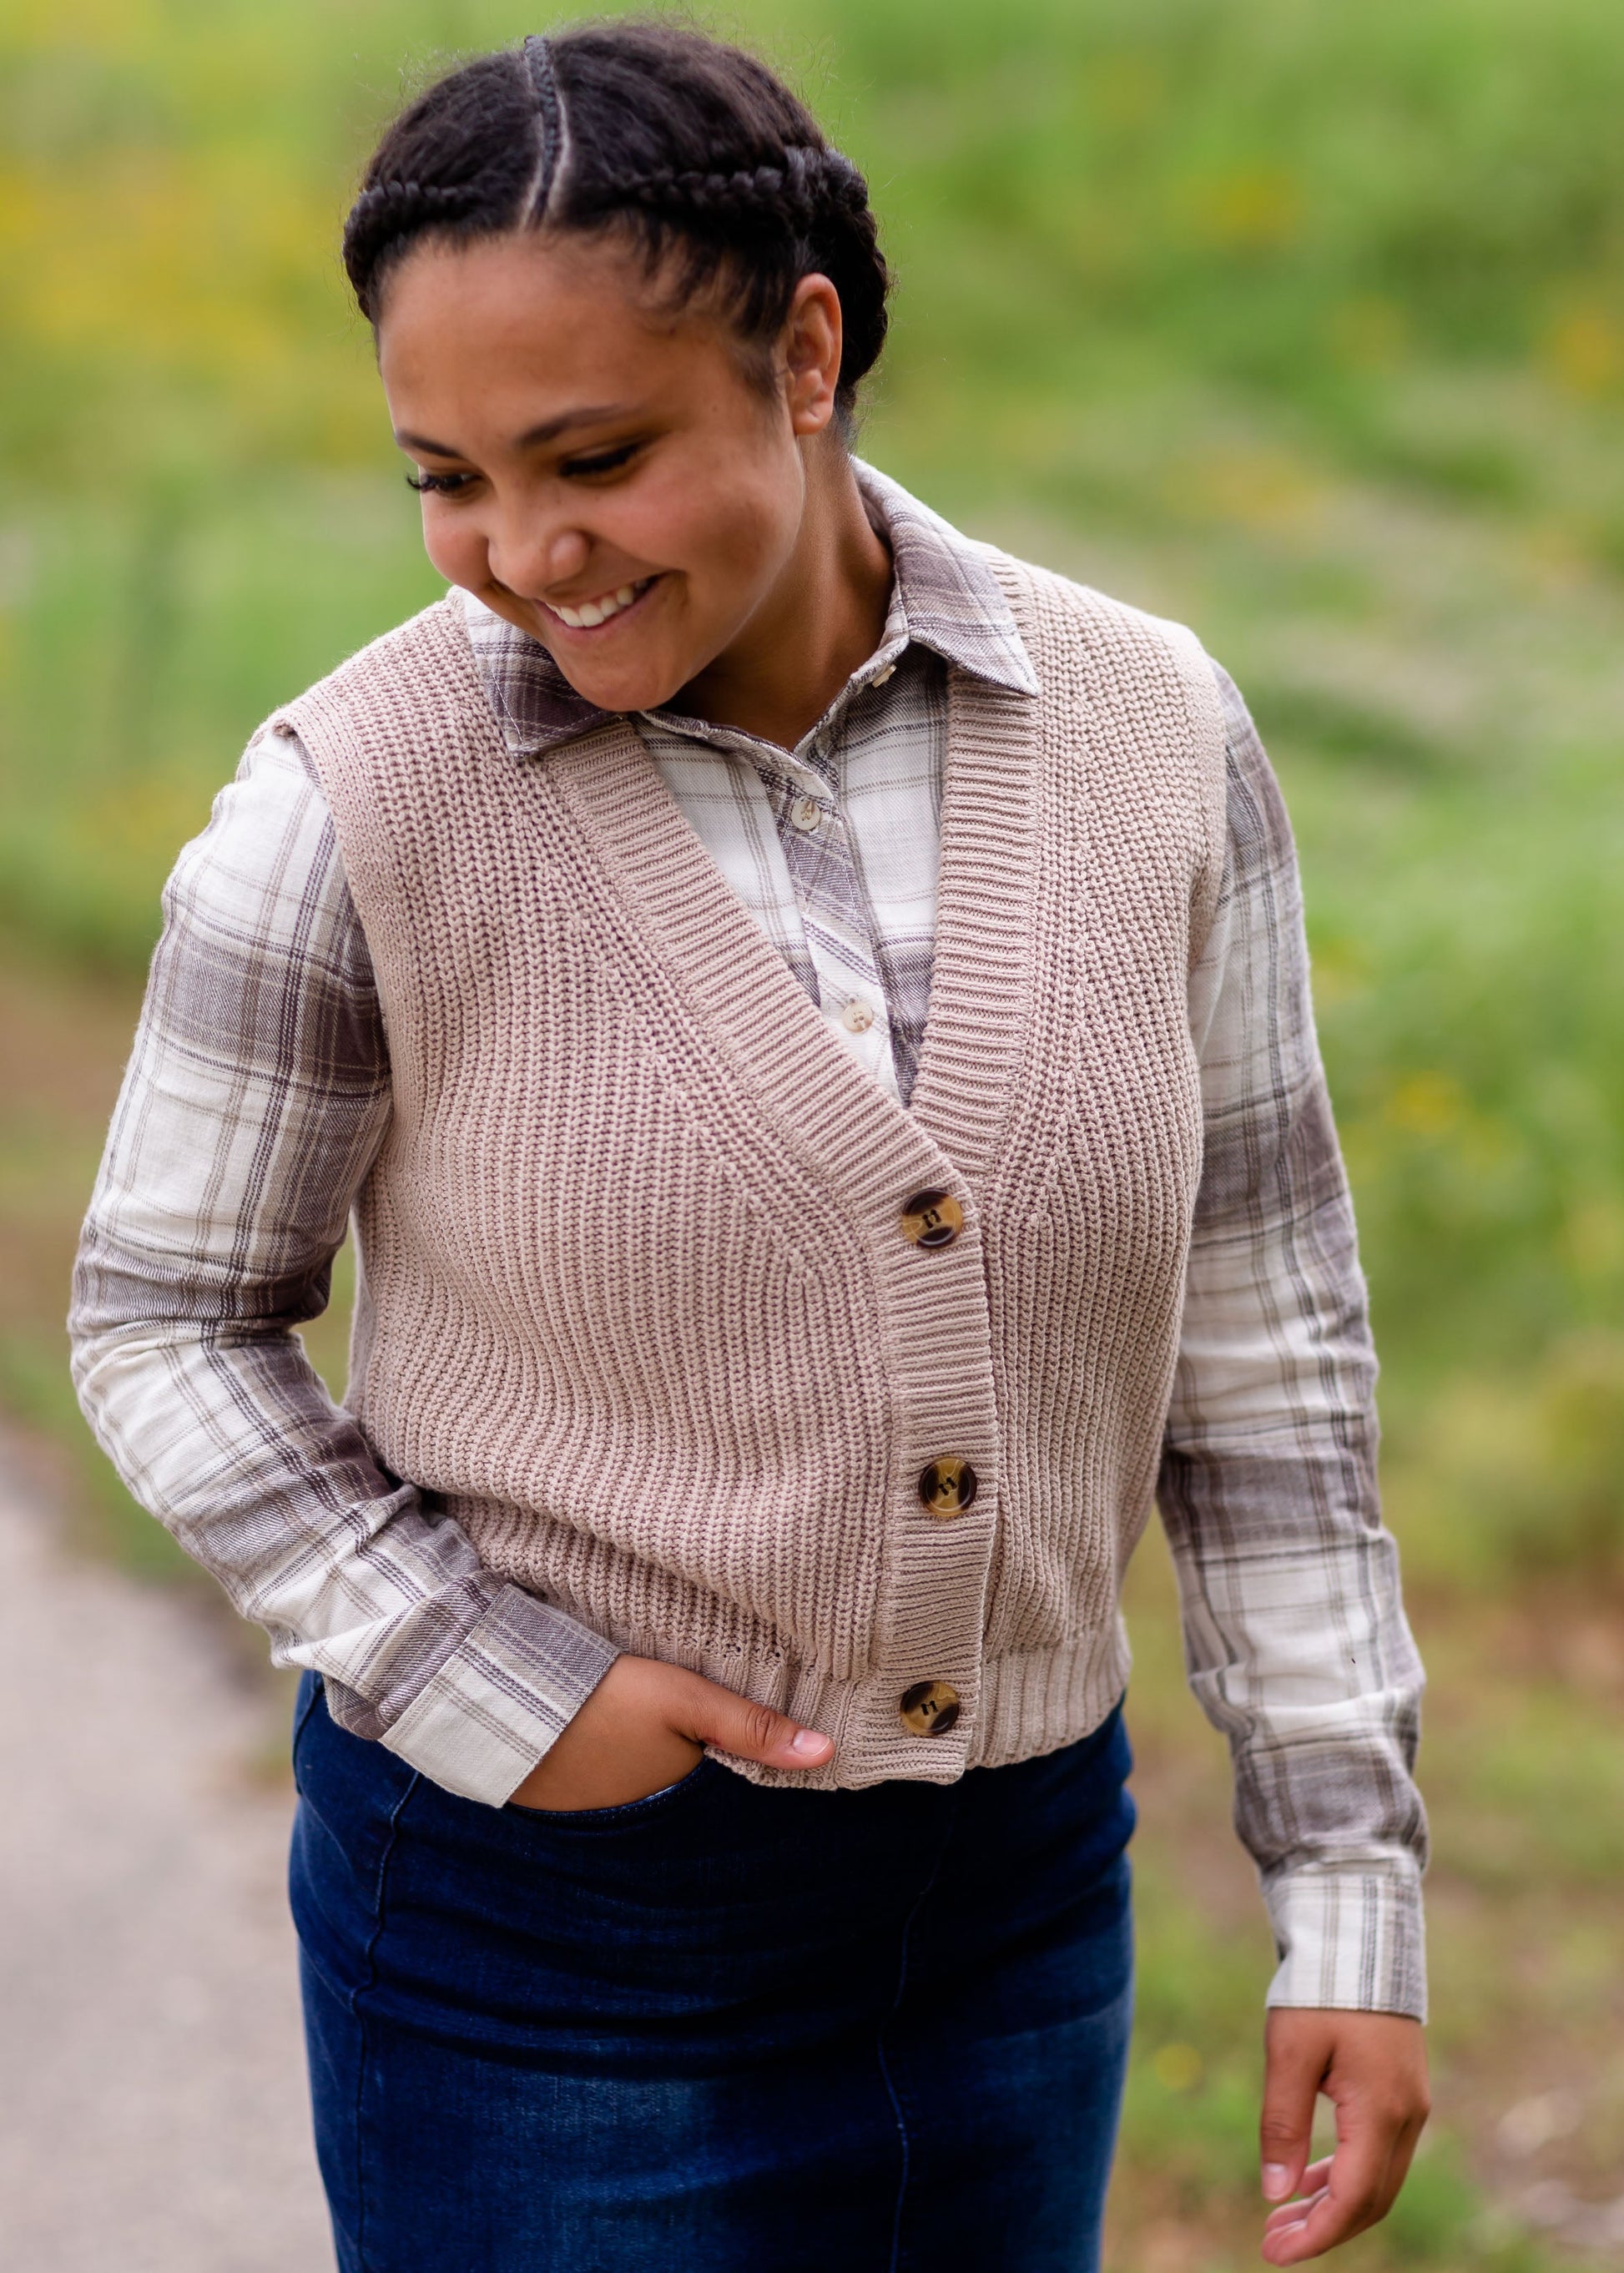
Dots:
pixel 858 1016
pixel 806 813
pixel 880 676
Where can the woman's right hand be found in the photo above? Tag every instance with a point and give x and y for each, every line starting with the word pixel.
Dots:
pixel 645 1725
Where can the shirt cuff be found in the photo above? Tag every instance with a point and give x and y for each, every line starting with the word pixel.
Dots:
pixel 495 1706
pixel 1351 1937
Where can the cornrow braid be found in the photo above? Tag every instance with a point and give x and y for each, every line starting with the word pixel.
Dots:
pixel 691 148
pixel 391 211
pixel 809 184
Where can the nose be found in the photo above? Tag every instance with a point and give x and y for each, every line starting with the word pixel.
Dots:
pixel 530 560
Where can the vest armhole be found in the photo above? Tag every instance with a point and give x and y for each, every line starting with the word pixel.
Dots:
pixel 1209 744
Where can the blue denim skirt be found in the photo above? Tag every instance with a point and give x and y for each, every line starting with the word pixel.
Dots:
pixel 723 2028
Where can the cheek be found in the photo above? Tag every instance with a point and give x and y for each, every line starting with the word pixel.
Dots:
pixel 741 526
pixel 758 535
pixel 455 546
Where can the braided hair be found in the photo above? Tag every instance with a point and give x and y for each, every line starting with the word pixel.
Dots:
pixel 691 148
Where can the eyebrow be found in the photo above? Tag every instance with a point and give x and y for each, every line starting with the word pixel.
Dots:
pixel 596 414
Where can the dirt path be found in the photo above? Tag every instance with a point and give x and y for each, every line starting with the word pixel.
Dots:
pixel 152 2098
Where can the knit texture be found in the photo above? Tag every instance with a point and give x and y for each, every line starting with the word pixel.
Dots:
pixel 636 1307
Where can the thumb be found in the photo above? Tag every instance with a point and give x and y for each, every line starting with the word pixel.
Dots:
pixel 1297 2056
pixel 750 1731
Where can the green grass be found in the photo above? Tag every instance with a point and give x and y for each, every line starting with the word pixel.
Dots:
pixel 1302 323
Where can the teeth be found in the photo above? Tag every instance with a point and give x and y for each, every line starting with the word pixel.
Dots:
pixel 593 612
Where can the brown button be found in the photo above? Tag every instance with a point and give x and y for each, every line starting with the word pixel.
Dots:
pixel 948 1485
pixel 930 1709
pixel 932 1219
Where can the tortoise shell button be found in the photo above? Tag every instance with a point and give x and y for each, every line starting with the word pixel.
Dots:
pixel 932 1220
pixel 947 1486
pixel 930 1709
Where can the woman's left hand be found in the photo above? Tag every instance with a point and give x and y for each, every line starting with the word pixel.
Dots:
pixel 1372 2067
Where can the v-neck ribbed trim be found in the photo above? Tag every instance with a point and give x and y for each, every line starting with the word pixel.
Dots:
pixel 773 1033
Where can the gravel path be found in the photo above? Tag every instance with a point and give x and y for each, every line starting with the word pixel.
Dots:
pixel 153 2117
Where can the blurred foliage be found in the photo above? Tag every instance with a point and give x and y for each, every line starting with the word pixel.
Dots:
pixel 1302 322
pixel 1305 324
pixel 1278 193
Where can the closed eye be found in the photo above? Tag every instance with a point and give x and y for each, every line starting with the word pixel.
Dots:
pixel 599 461
pixel 438 484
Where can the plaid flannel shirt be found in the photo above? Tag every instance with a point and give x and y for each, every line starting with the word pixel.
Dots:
pixel 258 1094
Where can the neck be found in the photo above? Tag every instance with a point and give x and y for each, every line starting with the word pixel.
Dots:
pixel 823 617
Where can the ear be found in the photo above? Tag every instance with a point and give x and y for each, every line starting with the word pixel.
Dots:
pixel 809 354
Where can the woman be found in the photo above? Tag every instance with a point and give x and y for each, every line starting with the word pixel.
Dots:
pixel 811 1015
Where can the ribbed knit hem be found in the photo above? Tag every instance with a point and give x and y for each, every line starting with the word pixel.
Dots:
pixel 495 1706
pixel 1038 1702
pixel 1353 1938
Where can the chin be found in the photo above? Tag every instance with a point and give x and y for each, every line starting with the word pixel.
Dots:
pixel 630 686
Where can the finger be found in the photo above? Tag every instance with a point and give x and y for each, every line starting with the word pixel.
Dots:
pixel 1356 2194
pixel 711 1715
pixel 1292 2216
pixel 1296 2213
pixel 1297 2052
pixel 1312 2182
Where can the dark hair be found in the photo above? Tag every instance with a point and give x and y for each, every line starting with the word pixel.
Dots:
pixel 691 146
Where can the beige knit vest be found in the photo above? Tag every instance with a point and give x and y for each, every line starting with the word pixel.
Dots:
pixel 637 1307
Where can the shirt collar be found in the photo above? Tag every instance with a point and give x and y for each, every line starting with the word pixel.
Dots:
pixel 946 596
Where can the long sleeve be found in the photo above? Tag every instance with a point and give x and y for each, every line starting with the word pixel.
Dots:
pixel 1295 1634
pixel 254 1105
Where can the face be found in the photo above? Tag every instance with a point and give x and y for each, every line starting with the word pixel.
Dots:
pixel 600 470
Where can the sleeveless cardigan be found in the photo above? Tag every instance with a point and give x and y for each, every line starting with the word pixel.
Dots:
pixel 637 1308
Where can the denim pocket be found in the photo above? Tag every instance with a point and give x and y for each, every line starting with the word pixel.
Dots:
pixel 628 1812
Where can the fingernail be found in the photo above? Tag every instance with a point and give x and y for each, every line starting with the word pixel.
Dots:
pixel 809 1741
pixel 1276 2181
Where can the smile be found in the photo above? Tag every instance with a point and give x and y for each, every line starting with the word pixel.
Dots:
pixel 591 614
